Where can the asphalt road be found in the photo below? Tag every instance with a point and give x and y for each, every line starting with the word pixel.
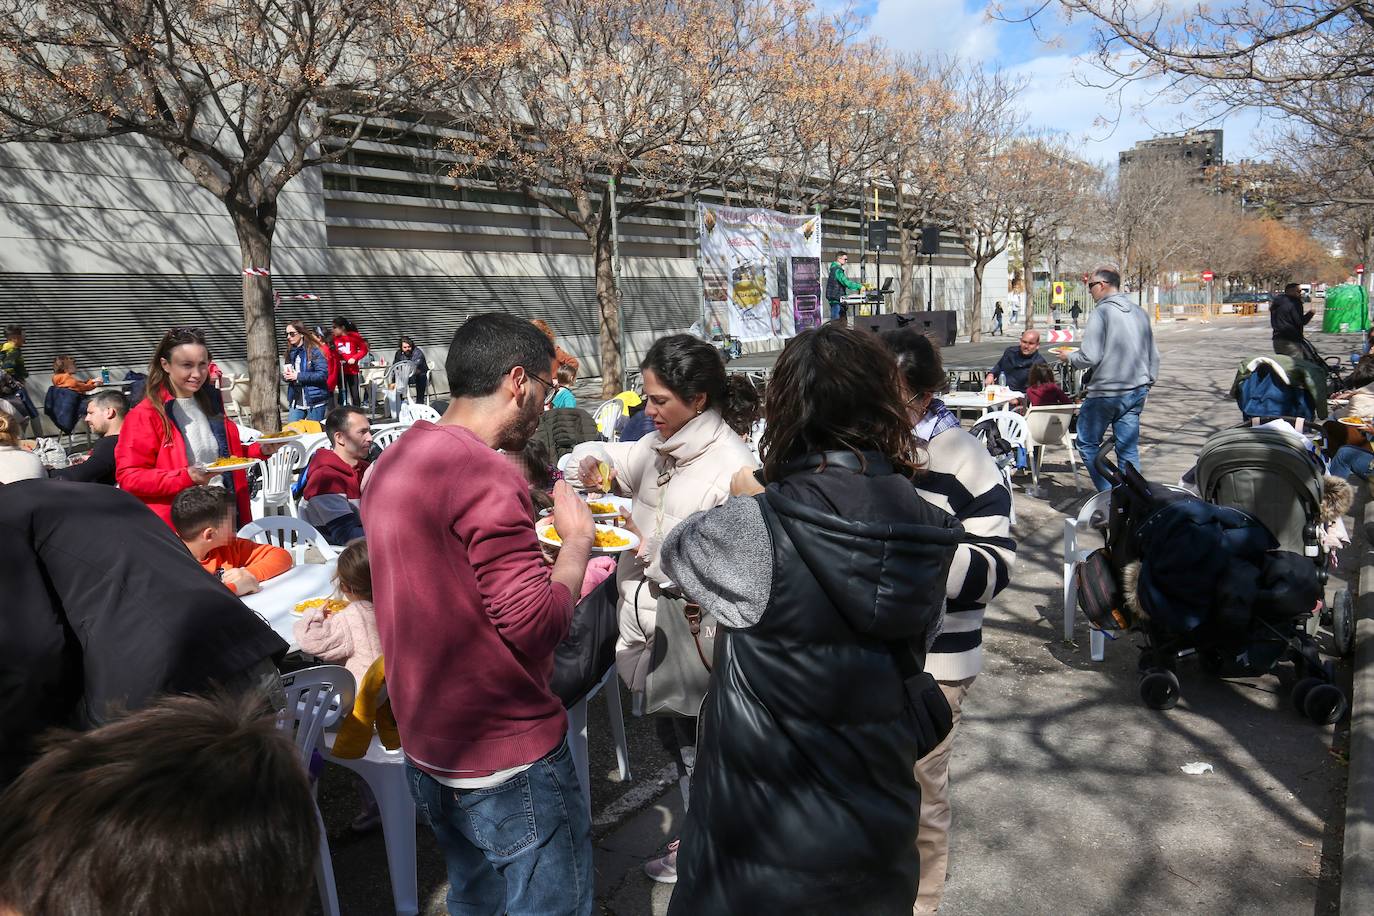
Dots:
pixel 1068 795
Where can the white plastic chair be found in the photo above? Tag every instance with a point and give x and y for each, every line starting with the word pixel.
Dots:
pixel 397 384
pixel 410 413
pixel 577 733
pixel 387 436
pixel 278 474
pixel 1073 556
pixel 606 417
pixel 316 697
pixel 1010 426
pixel 385 774
pixel 1046 426
pixel 290 533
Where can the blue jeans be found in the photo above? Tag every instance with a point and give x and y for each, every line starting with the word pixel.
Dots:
pixel 307 413
pixel 837 309
pixel 523 847
pixel 1350 460
pixel 1122 413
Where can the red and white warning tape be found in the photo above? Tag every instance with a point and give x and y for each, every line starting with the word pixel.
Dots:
pixel 256 272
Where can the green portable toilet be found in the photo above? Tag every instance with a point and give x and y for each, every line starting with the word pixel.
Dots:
pixel 1347 309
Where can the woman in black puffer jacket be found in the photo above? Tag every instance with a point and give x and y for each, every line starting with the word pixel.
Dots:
pixel 828 586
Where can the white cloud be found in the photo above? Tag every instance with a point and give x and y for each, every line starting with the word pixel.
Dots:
pixel 1105 121
pixel 936 27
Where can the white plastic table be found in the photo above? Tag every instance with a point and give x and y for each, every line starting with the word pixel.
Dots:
pixel 280 595
pixel 978 400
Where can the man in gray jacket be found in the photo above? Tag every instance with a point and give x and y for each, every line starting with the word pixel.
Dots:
pixel 1119 347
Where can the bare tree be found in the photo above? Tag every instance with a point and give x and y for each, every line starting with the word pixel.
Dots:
pixel 921 114
pixel 618 105
pixel 1311 61
pixel 1051 187
pixel 240 94
pixel 985 191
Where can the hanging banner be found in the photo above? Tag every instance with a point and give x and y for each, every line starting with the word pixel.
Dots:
pixel 760 272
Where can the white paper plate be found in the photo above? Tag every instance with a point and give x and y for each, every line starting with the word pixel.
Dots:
pixel 632 539
pixel 294 437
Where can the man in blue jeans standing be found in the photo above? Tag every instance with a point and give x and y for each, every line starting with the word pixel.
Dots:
pixel 1119 347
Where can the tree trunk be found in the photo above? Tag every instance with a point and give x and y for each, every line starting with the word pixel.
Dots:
pixel 1028 277
pixel 608 304
pixel 975 309
pixel 906 271
pixel 254 232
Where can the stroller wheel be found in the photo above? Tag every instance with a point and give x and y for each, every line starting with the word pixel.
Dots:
pixel 1159 689
pixel 1325 704
pixel 1343 623
pixel 1300 691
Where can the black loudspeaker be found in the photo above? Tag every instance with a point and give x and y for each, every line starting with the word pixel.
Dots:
pixel 930 240
pixel 878 323
pixel 877 235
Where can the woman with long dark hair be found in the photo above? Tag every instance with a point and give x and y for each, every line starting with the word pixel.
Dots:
pixel 306 374
pixel 962 479
pixel 827 586
pixel 682 467
pixel 349 349
pixel 178 429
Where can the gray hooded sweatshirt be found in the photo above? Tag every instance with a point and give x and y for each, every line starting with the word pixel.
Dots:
pixel 1119 346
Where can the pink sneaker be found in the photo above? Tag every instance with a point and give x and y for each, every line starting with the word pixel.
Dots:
pixel 664 868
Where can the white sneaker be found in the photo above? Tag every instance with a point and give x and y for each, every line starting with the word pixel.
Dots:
pixel 664 868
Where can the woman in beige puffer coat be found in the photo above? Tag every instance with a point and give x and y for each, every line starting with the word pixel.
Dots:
pixel 683 467
pixel 700 418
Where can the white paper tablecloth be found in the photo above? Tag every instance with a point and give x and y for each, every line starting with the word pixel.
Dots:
pixel 281 594
pixel 978 400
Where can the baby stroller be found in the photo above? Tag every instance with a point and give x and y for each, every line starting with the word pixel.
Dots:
pixel 1332 365
pixel 1272 386
pixel 1188 575
pixel 1272 475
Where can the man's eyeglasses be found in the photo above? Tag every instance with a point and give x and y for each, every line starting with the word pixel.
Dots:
pixel 1096 283
pixel 548 386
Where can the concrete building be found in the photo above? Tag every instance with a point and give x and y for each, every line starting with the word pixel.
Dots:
pixel 106 245
pixel 1197 149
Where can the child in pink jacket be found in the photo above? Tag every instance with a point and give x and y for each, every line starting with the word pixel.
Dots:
pixel 347 637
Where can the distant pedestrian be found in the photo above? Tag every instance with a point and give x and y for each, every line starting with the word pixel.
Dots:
pixel 349 348
pixel 1287 319
pixel 1015 309
pixel 1075 312
pixel 997 319
pixel 1119 346
pixel 1056 317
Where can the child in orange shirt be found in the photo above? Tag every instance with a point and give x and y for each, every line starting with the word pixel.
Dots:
pixel 204 520
pixel 64 375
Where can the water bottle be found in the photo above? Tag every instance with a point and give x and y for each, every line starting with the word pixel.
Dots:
pixel 1002 380
pixel 104 375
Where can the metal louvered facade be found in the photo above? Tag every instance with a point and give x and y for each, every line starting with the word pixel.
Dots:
pixel 104 246
pixel 114 320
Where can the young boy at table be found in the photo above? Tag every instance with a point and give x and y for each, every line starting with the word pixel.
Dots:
pixel 204 520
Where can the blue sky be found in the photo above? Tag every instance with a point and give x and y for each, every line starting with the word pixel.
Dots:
pixel 1055 59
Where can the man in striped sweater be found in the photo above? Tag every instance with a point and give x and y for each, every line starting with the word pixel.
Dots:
pixel 962 479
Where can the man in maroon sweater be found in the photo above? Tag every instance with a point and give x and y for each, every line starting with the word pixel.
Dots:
pixel 469 616
pixel 334 477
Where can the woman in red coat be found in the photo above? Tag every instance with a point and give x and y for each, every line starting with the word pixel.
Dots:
pixel 350 347
pixel 178 428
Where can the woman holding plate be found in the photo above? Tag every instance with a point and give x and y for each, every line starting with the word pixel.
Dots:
pixel 682 467
pixel 178 429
